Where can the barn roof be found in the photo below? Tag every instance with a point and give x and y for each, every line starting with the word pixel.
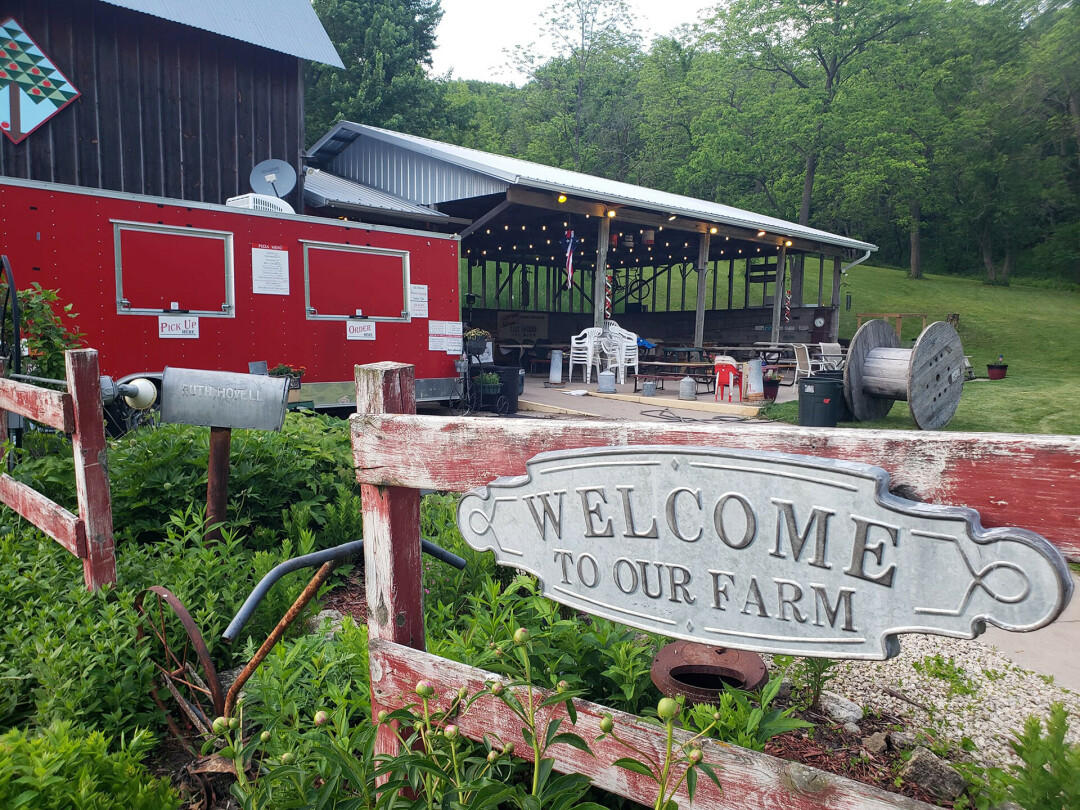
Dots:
pixel 286 26
pixel 432 173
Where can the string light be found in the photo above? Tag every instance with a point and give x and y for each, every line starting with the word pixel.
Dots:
pixel 671 218
pixel 760 234
pixel 787 243
pixel 712 229
pixel 611 213
pixel 561 198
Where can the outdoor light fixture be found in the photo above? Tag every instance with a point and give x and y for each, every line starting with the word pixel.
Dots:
pixel 671 218
pixel 787 243
pixel 561 198
pixel 712 229
pixel 611 213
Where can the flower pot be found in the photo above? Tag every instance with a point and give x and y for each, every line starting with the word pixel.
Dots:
pixel 489 389
pixel 771 388
pixel 996 371
pixel 475 346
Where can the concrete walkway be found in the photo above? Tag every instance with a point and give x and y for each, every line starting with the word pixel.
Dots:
pixel 1053 651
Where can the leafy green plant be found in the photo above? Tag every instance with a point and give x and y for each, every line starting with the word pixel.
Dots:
pixel 59 767
pixel 680 762
pixel 946 669
pixel 45 335
pixel 1048 774
pixel 737 720
pixel 487 378
pixel 808 677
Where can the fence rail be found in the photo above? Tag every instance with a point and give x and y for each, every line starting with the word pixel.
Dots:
pixel 78 412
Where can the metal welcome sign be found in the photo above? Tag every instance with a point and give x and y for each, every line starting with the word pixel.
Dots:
pixel 760 551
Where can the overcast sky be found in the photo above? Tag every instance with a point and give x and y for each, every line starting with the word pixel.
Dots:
pixel 474 33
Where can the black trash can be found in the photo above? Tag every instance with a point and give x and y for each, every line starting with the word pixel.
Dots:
pixel 837 374
pixel 821 401
pixel 509 383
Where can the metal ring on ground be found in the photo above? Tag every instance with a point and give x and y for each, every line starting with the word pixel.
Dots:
pixel 699 671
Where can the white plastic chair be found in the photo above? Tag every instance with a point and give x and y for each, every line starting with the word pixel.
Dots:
pixel 630 353
pixel 583 351
pixel 804 364
pixel 832 356
pixel 611 347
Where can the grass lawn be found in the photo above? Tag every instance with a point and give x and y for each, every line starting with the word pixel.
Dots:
pixel 1036 330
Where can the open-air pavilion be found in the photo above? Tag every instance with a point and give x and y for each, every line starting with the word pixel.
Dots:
pixel 666 256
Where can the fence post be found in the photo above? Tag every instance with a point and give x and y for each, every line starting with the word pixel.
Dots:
pixel 392 566
pixel 91 472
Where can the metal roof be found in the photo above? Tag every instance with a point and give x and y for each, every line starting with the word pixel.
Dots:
pixel 286 26
pixel 321 188
pixel 433 172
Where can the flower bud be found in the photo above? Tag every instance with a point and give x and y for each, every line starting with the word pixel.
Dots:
pixel 694 756
pixel 321 718
pixel 493 756
pixel 463 693
pixel 382 715
pixel 425 690
pixel 264 737
pixel 288 758
pixel 521 635
pixel 508 749
pixel 220 724
pixel 562 686
pixel 607 724
pixel 234 723
pixel 450 732
pixel 497 688
pixel 667 708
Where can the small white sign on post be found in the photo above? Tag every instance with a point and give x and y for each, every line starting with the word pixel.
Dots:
pixel 418 300
pixel 360 330
pixel 269 270
pixel 178 326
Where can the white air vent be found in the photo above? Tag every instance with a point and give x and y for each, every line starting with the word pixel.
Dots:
pixel 260 202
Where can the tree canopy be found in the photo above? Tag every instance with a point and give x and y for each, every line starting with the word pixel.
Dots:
pixel 945 131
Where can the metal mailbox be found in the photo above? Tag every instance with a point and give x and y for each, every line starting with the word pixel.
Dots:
pixel 223 399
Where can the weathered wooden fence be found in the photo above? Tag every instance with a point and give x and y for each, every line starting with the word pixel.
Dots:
pixel 77 412
pixel 397 453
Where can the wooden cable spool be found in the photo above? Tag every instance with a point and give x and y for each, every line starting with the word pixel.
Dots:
pixel 929 376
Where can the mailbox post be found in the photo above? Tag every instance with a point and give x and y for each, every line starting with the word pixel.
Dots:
pixel 222 400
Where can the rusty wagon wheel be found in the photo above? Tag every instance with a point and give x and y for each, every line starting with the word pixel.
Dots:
pixel 185 685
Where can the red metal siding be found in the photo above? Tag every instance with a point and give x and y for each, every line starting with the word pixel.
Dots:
pixel 63 239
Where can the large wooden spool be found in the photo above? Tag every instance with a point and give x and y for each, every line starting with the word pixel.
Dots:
pixel 929 376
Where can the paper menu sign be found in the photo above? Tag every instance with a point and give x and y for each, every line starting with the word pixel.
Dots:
pixel 269 270
pixel 418 300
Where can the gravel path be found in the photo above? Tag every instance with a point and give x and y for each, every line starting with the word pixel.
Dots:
pixel 971 689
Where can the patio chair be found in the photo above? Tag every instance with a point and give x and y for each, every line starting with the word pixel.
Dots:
pixel 611 349
pixel 584 351
pixel 832 356
pixel 804 364
pixel 727 375
pixel 630 354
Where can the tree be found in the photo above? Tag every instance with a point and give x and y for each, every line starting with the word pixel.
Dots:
pixel 385 45
pixel 815 48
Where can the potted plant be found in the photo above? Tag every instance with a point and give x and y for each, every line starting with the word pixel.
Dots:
pixel 476 341
pixel 770 380
pixel 294 373
pixel 488 383
pixel 996 371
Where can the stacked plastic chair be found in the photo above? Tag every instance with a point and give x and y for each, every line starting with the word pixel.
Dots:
pixel 727 376
pixel 584 350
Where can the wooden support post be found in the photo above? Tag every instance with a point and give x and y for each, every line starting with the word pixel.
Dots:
pixel 731 284
pixel 392 566
pixel 217 480
pixel 702 271
pixel 91 472
pixel 603 232
pixel 834 325
pixel 778 294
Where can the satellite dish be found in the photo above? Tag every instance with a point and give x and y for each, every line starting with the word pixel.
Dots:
pixel 274 177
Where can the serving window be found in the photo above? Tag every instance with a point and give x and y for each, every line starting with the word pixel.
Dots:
pixel 161 268
pixel 350 281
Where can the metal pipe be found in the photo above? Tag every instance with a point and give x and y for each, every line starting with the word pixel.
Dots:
pixel 308 561
pixel 43 380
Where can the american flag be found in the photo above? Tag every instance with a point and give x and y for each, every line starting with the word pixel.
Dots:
pixel 569 258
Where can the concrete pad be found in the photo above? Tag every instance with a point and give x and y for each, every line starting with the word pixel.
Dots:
pixel 1053 650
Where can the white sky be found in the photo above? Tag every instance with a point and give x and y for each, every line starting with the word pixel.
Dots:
pixel 473 33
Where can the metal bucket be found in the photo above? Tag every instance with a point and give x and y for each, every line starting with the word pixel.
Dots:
pixel 605 382
pixel 687 388
pixel 648 388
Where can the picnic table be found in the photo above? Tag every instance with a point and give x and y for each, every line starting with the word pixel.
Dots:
pixel 659 371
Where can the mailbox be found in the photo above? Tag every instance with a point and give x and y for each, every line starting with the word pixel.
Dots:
pixel 223 399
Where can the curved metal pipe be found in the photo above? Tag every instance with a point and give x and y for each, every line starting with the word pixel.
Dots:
pixel 308 561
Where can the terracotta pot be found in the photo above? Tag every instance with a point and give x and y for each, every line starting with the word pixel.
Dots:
pixel 996 371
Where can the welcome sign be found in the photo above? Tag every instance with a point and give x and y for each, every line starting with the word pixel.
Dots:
pixel 760 551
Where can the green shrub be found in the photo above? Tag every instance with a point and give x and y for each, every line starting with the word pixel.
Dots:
pixel 1049 773
pixel 152 473
pixel 737 720
pixel 58 768
pixel 45 335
